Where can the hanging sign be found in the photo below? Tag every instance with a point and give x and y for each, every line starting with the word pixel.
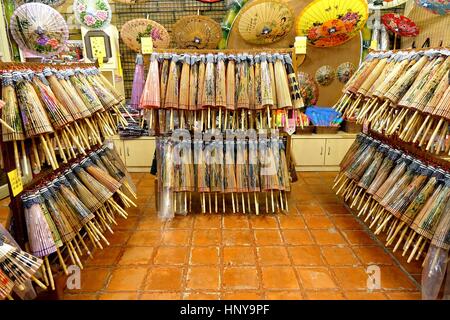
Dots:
pixel 15 180
pixel 146 45
pixel 98 49
pixel 300 45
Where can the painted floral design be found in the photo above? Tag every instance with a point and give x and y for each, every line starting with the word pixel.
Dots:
pixel 150 31
pixel 309 89
pixel 334 32
pixel 400 25
pixel 94 14
pixel 441 7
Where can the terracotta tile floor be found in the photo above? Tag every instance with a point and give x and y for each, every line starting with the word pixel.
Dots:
pixel 318 250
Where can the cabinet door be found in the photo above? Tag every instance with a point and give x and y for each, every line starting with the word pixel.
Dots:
pixel 139 152
pixel 308 152
pixel 118 144
pixel 336 150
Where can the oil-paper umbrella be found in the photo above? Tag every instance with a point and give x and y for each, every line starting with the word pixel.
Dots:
pixel 328 23
pixel 400 25
pixel 133 30
pixel 196 32
pixel 265 21
pixel 441 7
pixel 92 14
pixel 39 29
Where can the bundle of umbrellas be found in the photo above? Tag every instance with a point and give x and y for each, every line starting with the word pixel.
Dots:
pixel 239 174
pixel 16 267
pixel 405 93
pixel 78 203
pixel 397 194
pixel 218 91
pixel 52 115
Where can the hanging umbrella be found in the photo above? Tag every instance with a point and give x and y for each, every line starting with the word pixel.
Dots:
pixel 196 32
pixel 309 89
pixel 138 82
pixel 132 32
pixel 441 7
pixel 265 21
pixel 328 23
pixel 345 71
pixel 53 3
pixel 39 29
pixel 325 75
pixel 92 14
pixel 400 25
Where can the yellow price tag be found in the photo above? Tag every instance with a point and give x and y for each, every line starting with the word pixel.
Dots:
pixel 15 181
pixel 374 44
pixel 98 46
pixel 146 45
pixel 300 45
pixel 100 61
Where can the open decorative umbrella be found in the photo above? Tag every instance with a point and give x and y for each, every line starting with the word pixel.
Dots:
pixel 325 75
pixel 328 23
pixel 39 29
pixel 309 89
pixel 380 4
pixel 441 7
pixel 265 21
pixel 400 25
pixel 345 71
pixel 133 30
pixel 53 3
pixel 196 32
pixel 92 14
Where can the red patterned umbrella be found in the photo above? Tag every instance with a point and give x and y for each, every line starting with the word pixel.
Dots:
pixel 400 25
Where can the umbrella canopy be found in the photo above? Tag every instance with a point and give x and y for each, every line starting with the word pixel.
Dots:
pixel 92 14
pixel 441 7
pixel 309 89
pixel 196 32
pixel 39 29
pixel 265 21
pixel 345 71
pixel 328 23
pixel 400 25
pixel 380 4
pixel 53 3
pixel 325 75
pixel 133 30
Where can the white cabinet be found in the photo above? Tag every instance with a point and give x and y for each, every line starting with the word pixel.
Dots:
pixel 137 154
pixel 318 152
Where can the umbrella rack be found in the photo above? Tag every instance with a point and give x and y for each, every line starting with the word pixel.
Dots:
pixel 400 192
pixel 211 101
pixel 403 94
pixel 75 146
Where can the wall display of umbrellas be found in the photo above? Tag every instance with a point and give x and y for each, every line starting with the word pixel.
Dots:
pixel 397 194
pixel 403 94
pixel 328 23
pixel 218 91
pixel 53 113
pixel 196 32
pixel 225 175
pixel 39 29
pixel 132 32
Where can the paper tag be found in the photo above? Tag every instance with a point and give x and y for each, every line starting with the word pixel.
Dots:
pixel 300 45
pixel 146 45
pixel 374 44
pixel 100 61
pixel 15 181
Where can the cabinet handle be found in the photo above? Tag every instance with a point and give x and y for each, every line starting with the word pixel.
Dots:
pixel 329 150
pixel 321 150
pixel 128 152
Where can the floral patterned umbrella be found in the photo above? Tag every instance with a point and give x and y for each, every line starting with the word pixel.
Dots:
pixel 400 25
pixel 441 7
pixel 309 89
pixel 39 29
pixel 53 3
pixel 133 30
pixel 328 23
pixel 345 71
pixel 92 14
pixel 325 75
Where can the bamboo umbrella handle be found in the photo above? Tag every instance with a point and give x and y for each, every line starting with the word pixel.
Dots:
pixel 39 283
pixel 48 153
pixel 430 142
